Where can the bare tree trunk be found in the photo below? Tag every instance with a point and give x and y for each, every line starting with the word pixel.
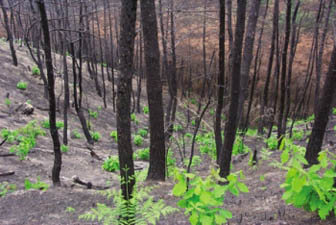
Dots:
pixel 220 80
pixel 157 159
pixel 231 125
pixel 9 34
pixel 52 101
pixel 322 117
pixel 248 55
pixel 126 47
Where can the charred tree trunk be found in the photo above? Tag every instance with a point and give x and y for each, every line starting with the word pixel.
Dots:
pixel 322 116
pixel 231 125
pixel 126 48
pixel 52 100
pixel 220 80
pixel 157 159
pixel 9 34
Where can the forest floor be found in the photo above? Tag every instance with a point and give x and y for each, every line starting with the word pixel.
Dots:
pixel 262 205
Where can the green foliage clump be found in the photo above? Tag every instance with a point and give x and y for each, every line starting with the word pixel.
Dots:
pixel 138 140
pixel 70 209
pixel 145 110
pixel 8 102
pixel 134 119
pixel 114 135
pixel 272 142
pixel 204 199
pixel 111 164
pixel 95 136
pixel 207 144
pixel 141 209
pixel 143 132
pixel 313 188
pixel 64 148
pixel 251 132
pixel 23 139
pixel 142 154
pixel 46 124
pixel 311 118
pixel 93 114
pixel 297 134
pixel 239 147
pixel 334 111
pixel 5 188
pixel 21 85
pixel 39 185
pixel 36 71
pixel 75 134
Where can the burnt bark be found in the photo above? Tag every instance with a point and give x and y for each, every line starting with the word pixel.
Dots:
pixel 52 100
pixel 231 125
pixel 157 157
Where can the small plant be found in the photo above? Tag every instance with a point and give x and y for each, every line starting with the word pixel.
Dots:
pixel 21 85
pixel 6 188
pixel 114 135
pixel 46 124
pixel 69 209
pixel 142 154
pixel 204 199
pixel 134 119
pixel 272 142
pixel 297 134
pixel 239 147
pixel 93 114
pixel 312 189
pixel 75 134
pixel 23 139
pixel 145 109
pixel 142 208
pixel 138 140
pixel 36 71
pixel 143 132
pixel 193 101
pixel 39 185
pixel 193 122
pixel 7 102
pixel 334 111
pixel 95 136
pixel 64 148
pixel 111 164
pixel 251 132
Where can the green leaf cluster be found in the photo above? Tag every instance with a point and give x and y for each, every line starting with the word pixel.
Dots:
pixel 5 188
pixel 21 85
pixel 114 135
pixel 142 154
pixel 111 164
pixel 143 132
pixel 204 199
pixel 313 188
pixel 141 209
pixel 138 140
pixel 272 142
pixel 46 124
pixel 36 71
pixel 195 162
pixel 22 139
pixel 93 114
pixel 39 185
pixel 95 136
pixel 145 109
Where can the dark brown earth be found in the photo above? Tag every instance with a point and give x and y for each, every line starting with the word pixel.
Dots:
pixel 262 205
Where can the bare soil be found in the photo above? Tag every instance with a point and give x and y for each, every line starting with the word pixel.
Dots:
pixel 262 205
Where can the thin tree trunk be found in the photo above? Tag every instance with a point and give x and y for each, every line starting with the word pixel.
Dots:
pixel 52 100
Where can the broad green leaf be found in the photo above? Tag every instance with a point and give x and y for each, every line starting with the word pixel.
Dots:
pixel 180 188
pixel 287 195
pixel 206 220
pixel 227 214
pixel 220 219
pixel 298 183
pixel 284 157
pixel 233 189
pixel 242 187
pixel 193 218
pixel 207 199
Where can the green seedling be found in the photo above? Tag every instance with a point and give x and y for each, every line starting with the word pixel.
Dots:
pixel 145 109
pixel 143 132
pixel 64 148
pixel 36 71
pixel 75 134
pixel 39 185
pixel 22 85
pixel 111 164
pixel 95 136
pixel 114 135
pixel 138 140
